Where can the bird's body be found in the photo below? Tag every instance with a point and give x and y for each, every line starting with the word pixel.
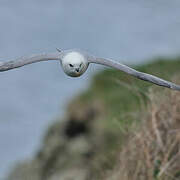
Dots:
pixel 75 63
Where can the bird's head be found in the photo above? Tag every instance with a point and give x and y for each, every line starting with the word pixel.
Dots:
pixel 74 63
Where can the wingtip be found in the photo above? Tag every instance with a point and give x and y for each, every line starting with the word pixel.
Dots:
pixel 175 87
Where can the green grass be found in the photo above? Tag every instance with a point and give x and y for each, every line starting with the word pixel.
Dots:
pixel 123 98
pixel 120 93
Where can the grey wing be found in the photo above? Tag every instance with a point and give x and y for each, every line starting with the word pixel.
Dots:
pixel 133 72
pixel 7 65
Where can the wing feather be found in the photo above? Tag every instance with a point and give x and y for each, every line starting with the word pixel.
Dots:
pixel 5 66
pixel 135 73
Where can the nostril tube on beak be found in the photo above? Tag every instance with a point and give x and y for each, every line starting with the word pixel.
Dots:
pixel 77 70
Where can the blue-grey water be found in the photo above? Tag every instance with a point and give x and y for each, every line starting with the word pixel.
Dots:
pixel 31 97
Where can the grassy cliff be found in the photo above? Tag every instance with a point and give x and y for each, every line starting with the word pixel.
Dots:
pixel 87 143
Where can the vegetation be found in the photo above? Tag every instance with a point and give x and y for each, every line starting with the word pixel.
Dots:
pixel 122 95
pixel 128 107
pixel 152 150
pixel 119 128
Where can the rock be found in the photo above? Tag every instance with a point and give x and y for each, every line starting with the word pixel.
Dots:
pixel 69 147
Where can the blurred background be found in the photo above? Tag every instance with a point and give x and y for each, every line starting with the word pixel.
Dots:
pixel 128 31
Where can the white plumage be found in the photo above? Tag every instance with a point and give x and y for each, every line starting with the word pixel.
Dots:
pixel 74 63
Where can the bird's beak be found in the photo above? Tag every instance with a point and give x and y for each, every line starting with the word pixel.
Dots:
pixel 77 70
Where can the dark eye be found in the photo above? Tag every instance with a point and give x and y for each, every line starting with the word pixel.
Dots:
pixel 70 65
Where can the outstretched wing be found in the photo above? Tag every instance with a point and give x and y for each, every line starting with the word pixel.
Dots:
pixel 5 66
pixel 137 74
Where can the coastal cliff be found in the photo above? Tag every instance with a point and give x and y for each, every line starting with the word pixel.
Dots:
pixel 92 140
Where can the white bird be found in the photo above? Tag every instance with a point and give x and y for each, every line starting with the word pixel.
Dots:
pixel 75 63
